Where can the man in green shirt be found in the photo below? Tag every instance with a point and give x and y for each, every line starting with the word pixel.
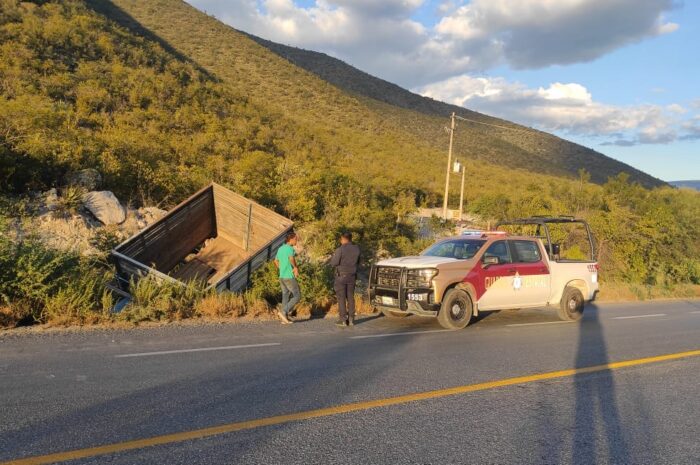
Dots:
pixel 287 266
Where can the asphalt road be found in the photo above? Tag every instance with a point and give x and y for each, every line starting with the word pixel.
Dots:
pixel 66 391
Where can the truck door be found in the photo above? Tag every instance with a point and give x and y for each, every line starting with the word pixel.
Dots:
pixel 532 280
pixel 497 279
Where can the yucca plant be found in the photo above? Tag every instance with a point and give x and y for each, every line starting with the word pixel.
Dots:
pixel 70 200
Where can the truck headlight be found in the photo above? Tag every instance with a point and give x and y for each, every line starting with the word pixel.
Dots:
pixel 422 277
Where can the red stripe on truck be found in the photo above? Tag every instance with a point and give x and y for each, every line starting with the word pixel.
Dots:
pixel 481 279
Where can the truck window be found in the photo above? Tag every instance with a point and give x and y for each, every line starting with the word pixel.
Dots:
pixel 499 249
pixel 461 249
pixel 526 251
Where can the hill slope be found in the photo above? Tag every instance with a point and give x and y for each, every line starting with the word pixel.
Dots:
pixel 347 105
pixel 691 184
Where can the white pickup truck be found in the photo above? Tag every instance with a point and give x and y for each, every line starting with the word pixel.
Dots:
pixel 457 277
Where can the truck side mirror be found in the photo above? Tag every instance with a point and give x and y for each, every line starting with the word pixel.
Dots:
pixel 556 249
pixel 490 260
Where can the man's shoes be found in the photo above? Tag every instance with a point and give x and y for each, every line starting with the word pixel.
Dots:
pixel 340 323
pixel 351 322
pixel 283 318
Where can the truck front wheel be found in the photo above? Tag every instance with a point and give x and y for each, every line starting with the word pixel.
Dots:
pixel 456 310
pixel 571 305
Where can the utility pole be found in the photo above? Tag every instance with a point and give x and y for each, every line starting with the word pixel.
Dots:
pixel 449 167
pixel 449 161
pixel 461 195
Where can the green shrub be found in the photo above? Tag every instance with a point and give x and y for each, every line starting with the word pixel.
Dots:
pixel 315 282
pixel 80 302
pixel 44 285
pixel 153 299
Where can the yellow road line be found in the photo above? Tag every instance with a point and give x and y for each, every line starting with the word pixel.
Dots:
pixel 324 412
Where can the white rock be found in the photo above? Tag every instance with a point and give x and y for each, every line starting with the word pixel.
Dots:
pixel 105 206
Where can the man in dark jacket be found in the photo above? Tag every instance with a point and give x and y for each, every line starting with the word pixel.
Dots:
pixel 345 261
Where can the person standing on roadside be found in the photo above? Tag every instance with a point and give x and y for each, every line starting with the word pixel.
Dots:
pixel 288 272
pixel 345 261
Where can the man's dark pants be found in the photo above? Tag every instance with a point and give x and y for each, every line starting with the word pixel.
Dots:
pixel 345 292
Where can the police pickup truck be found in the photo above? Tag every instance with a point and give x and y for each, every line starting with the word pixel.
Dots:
pixel 457 277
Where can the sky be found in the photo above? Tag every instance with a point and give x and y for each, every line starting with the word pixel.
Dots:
pixel 619 76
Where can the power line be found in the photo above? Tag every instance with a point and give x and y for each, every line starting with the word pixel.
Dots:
pixel 451 131
pixel 494 125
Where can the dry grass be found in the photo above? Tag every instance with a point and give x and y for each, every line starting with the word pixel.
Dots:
pixel 229 306
pixel 8 317
pixel 623 292
pixel 362 307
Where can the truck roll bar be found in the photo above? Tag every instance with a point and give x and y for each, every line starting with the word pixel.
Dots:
pixel 542 223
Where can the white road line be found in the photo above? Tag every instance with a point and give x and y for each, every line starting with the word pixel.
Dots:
pixel 696 312
pixel 638 316
pixel 541 323
pixel 407 333
pixel 201 349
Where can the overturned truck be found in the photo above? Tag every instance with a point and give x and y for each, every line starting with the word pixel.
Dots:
pixel 216 236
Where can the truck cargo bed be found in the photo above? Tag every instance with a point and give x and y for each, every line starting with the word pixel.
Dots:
pixel 216 236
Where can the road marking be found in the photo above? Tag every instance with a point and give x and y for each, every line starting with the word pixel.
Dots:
pixel 339 409
pixel 406 333
pixel 542 323
pixel 201 349
pixel 637 316
pixel 696 311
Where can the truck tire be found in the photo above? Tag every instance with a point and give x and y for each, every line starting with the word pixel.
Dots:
pixel 456 310
pixel 389 314
pixel 571 305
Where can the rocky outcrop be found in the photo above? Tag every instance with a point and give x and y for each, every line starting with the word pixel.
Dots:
pixel 105 206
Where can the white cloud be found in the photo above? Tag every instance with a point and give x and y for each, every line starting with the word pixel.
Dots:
pixel 537 33
pixel 568 108
pixel 692 129
pixel 380 36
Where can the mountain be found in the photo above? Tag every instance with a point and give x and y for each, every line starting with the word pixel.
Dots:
pixel 346 104
pixel 690 184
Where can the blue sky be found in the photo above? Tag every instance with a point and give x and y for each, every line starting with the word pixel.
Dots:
pixel 620 77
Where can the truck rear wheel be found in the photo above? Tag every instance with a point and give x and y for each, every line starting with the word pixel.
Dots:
pixel 456 310
pixel 571 305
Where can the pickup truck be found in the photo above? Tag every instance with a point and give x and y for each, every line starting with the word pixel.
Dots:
pixel 457 277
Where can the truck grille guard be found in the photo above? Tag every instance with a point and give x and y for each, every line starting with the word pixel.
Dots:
pixel 391 278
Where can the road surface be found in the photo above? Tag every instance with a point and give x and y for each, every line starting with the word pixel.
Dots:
pixel 513 388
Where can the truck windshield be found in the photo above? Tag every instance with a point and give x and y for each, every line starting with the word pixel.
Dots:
pixel 461 249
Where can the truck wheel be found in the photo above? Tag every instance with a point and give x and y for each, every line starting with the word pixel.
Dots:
pixel 389 314
pixel 571 305
pixel 456 310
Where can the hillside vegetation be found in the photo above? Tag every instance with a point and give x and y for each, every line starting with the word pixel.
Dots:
pixel 375 117
pixel 516 146
pixel 80 88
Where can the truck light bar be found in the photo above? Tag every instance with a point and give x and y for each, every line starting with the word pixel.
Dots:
pixel 494 233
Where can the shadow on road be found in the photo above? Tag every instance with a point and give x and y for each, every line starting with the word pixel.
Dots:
pixel 598 435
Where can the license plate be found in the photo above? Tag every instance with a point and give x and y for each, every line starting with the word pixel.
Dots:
pixel 387 300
